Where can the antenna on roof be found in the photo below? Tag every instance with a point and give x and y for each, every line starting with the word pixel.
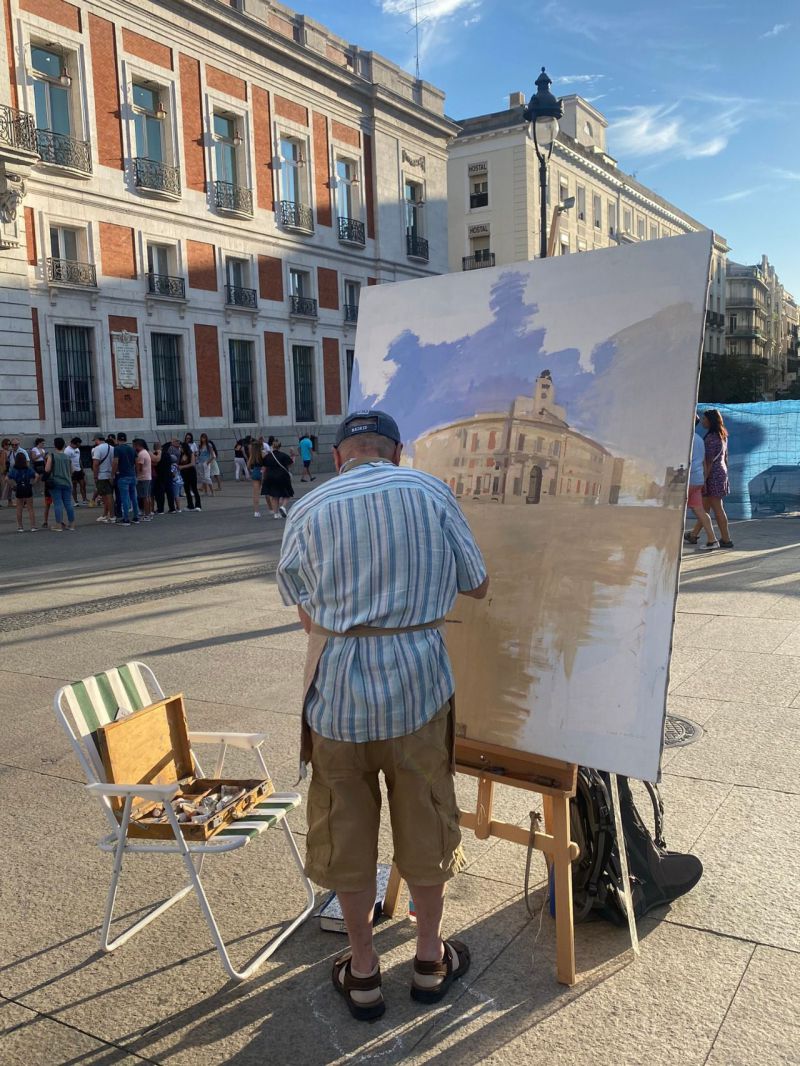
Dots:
pixel 417 22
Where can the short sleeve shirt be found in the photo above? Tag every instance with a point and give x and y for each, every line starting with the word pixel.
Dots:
pixel 306 449
pixel 104 453
pixel 379 546
pixel 144 465
pixel 74 455
pixel 126 460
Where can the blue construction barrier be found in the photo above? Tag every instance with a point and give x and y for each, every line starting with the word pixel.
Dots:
pixel 763 457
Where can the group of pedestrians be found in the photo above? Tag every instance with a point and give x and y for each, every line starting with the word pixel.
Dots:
pixel 269 468
pixel 133 482
pixel 708 482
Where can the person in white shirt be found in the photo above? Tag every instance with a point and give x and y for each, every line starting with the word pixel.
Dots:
pixel 102 460
pixel 73 452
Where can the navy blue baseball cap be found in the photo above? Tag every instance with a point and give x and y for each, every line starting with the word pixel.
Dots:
pixel 368 422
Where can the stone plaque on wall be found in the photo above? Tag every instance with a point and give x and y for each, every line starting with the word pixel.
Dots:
pixel 125 347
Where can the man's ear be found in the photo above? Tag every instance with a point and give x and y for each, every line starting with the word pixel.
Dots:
pixel 398 451
pixel 337 459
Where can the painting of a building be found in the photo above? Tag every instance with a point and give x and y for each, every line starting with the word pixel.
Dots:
pixel 527 455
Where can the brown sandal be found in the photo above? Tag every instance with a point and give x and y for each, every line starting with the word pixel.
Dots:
pixel 363 1012
pixel 443 969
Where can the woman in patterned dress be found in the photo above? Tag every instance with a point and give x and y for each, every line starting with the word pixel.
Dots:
pixel 717 486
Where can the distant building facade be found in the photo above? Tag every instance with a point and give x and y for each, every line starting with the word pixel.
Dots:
pixel 762 326
pixel 493 199
pixel 526 455
pixel 192 198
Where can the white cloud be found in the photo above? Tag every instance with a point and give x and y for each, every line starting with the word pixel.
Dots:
pixel 436 18
pixel 787 175
pixel 579 79
pixel 653 129
pixel 428 9
pixel 732 197
pixel 776 30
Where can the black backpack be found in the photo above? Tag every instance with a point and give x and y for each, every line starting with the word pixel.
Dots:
pixel 657 876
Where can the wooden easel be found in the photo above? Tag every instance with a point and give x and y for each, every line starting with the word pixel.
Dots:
pixel 555 782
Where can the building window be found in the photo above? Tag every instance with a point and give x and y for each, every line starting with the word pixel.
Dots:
pixel 75 376
pixel 627 220
pixel 65 243
pixel 226 143
pixel 564 238
pixel 303 362
pixel 479 190
pixel 352 295
pixel 414 204
pixel 147 124
pixel 167 382
pixel 294 186
pixel 732 323
pixel 350 358
pixel 640 227
pixel 68 254
pixel 653 232
pixel 581 203
pixel 241 361
pixel 53 106
pixel 346 188
pixel 597 211
pixel 611 212
pixel 237 283
pixel 563 188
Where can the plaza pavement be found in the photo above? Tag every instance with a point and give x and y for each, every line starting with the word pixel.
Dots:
pixel 718 979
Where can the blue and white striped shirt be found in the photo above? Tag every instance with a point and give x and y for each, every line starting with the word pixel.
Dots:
pixel 380 546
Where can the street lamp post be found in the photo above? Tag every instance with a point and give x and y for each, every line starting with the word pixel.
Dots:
pixel 543 112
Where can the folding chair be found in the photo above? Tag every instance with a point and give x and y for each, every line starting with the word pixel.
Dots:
pixel 85 706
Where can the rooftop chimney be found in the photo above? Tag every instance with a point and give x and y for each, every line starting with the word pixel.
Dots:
pixel 517 100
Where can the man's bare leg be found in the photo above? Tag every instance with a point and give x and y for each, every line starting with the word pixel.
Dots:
pixel 358 909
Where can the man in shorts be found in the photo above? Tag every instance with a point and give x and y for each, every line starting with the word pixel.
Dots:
pixel 144 479
pixel 379 691
pixel 102 462
pixel 306 453
pixel 73 451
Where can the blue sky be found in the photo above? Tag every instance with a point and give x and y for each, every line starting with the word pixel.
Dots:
pixel 702 97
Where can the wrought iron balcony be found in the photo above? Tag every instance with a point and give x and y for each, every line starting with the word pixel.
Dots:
pixel 416 247
pixel 351 312
pixel 295 216
pixel 164 285
pixel 303 305
pixel 62 151
pixel 351 231
pixel 156 177
pixel 235 198
pixel 475 262
pixel 18 129
pixel 70 272
pixel 238 296
pixel 479 199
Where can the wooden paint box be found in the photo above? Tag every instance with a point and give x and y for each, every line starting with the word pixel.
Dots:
pixel 151 747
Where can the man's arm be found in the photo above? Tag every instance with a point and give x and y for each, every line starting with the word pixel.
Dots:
pixel 305 618
pixel 476 594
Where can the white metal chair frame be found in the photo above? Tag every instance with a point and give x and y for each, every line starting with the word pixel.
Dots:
pixel 192 853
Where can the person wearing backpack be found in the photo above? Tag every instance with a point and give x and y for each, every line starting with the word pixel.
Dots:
pixel 23 477
pixel 58 482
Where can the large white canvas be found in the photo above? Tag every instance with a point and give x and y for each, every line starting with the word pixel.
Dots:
pixel 556 397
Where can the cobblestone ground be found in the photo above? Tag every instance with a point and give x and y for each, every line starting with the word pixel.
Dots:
pixel 717 981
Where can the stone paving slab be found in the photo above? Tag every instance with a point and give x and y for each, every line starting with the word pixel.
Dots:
pixel 763 1023
pixel 758 678
pixel 739 634
pixel 25 1036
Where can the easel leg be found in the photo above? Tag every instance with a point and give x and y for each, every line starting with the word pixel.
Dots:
pixel 392 892
pixel 623 862
pixel 562 876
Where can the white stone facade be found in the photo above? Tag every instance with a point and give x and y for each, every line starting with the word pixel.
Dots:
pixel 498 222
pixel 277 78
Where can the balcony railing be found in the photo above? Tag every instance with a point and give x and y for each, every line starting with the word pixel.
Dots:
pixel 479 199
pixel 18 129
pixel 169 415
pixel 351 231
pixel 295 216
pixel 303 305
pixel 416 247
pixel 351 312
pixel 238 296
pixel 475 262
pixel 164 285
pixel 156 177
pixel 62 151
pixel 230 197
pixel 70 272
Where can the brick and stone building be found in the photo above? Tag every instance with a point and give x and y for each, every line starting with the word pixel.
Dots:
pixel 193 194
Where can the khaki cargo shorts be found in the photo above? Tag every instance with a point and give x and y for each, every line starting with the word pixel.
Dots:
pixel 344 807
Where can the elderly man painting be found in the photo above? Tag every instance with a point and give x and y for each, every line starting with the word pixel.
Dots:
pixel 374 560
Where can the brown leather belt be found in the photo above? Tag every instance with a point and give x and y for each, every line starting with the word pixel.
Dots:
pixel 376 631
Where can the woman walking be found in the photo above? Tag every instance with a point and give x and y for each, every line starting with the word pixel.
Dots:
pixel 255 464
pixel 205 455
pixel 58 481
pixel 277 483
pixel 187 469
pixel 717 486
pixel 22 476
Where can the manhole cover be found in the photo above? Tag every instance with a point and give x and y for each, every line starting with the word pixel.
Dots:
pixel 678 732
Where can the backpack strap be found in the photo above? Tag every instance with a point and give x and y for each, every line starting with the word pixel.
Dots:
pixel 658 814
pixel 601 825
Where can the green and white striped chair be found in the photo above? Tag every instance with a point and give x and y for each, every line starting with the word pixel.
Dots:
pixel 85 706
